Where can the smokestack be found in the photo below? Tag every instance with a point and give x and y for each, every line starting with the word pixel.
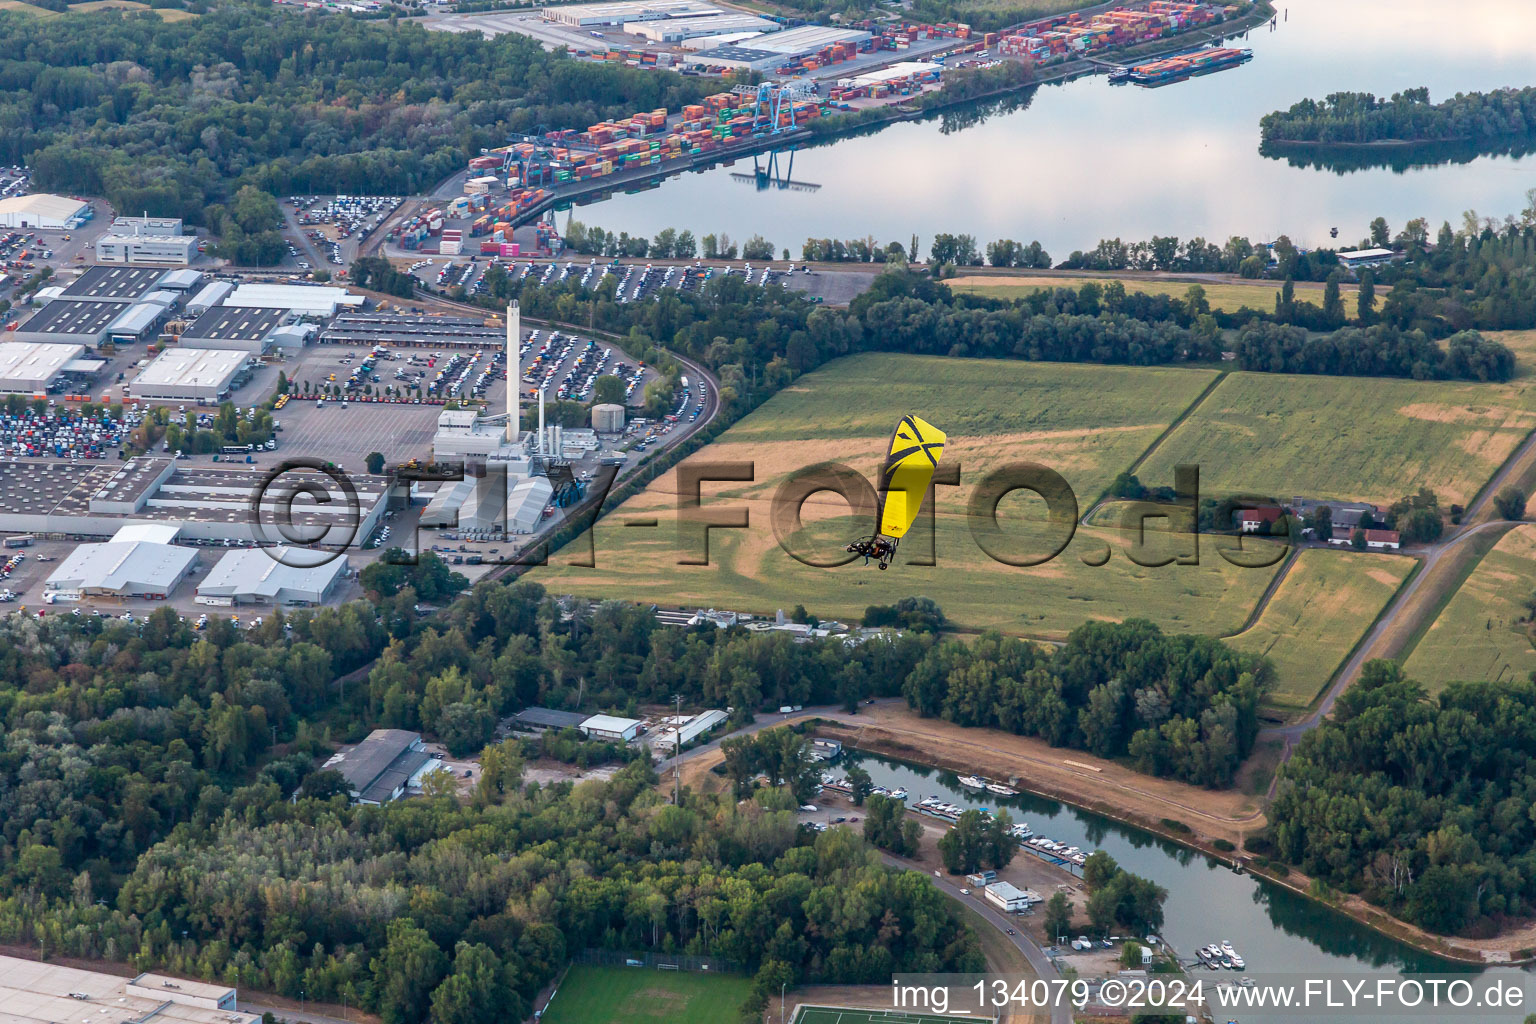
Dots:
pixel 514 370
pixel 543 441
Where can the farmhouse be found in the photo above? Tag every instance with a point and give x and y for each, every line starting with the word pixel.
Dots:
pixel 1258 520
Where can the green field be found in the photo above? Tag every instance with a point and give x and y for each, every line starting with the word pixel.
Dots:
pixel 1347 438
pixel 1324 605
pixel 1230 298
pixel 1479 635
pixel 622 995
pixel 1087 422
pixel 839 1015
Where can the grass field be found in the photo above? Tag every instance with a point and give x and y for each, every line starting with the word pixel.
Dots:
pixel 625 995
pixel 1230 298
pixel 1324 606
pixel 128 6
pixel 1347 438
pixel 1479 635
pixel 21 8
pixel 838 1015
pixel 1087 422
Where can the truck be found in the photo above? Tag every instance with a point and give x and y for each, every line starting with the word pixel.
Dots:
pixel 21 540
pixel 788 709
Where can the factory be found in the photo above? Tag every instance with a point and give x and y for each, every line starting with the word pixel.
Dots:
pixel 32 992
pixel 45 211
pixel 210 504
pixel 138 562
pixel 769 52
pixel 303 299
pixel 208 296
pixel 610 727
pixel 184 374
pixel 122 305
pixel 683 730
pixel 280 577
pixel 676 30
pixel 249 329
pixel 593 15
pixel 383 767
pixel 134 249
pixel 29 368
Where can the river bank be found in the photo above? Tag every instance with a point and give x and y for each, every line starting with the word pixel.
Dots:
pixel 1101 793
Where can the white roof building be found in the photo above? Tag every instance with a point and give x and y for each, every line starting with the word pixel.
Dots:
pixel 609 727
pixel 126 566
pixel 260 576
pixel 27 368
pixel 42 211
pixel 1010 898
pixel 181 374
pixel 314 300
pixel 32 992
pixel 685 731
pixel 526 501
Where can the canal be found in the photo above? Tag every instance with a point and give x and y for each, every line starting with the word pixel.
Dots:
pixel 1275 930
pixel 1073 163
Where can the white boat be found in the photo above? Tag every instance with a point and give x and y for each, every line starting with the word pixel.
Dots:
pixel 898 794
pixel 972 782
pixel 1001 790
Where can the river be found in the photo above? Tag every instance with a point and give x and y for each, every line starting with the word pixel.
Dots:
pixel 1276 931
pixel 1085 160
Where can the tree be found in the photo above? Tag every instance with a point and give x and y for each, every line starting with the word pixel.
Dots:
pixel 859 784
pixel 408 969
pixel 608 390
pixel 374 462
pixel 1058 916
pixel 1130 955
pixel 1510 503
pixel 1357 540
pixel 477 991
pixel 1366 304
pixel 1381 235
pixel 1098 869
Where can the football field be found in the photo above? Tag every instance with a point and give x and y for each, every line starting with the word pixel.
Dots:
pixel 840 1015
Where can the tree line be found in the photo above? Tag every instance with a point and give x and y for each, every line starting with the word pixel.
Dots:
pixel 1362 119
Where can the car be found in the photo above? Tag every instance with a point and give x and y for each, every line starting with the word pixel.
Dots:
pixel 965 892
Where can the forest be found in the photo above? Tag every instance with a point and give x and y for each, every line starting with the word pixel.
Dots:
pixel 1183 707
pixel 174 119
pixel 1362 119
pixel 1419 804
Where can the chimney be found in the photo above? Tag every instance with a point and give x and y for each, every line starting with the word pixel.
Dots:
pixel 514 370
pixel 543 439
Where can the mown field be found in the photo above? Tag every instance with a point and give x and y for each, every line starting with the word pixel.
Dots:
pixel 128 7
pixel 1348 438
pixel 1479 634
pixel 1260 295
pixel 1325 604
pixel 636 995
pixel 1086 422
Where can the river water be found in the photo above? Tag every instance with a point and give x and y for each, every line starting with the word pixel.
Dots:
pixel 1085 160
pixel 1275 930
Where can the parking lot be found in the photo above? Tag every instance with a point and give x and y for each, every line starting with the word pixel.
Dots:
pixel 346 436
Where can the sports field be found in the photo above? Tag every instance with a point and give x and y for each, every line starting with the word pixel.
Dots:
pixel 1324 605
pixel 1260 295
pixel 838 1015
pixel 1479 634
pixel 1347 438
pixel 622 995
pixel 1086 422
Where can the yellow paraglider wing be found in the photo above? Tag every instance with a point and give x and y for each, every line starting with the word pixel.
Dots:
pixel 916 448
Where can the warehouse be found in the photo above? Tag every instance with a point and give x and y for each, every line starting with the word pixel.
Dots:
pixel 179 282
pixel 153 227
pixel 201 375
pixel 539 719
pixel 116 284
pixel 241 328
pixel 49 212
pixel 591 15
pixel 683 730
pixel 384 766
pixel 280 576
pixel 307 300
pixel 608 727
pixel 769 52
pixel 32 992
pixel 675 30
pixel 71 322
pixel 406 329
pixel 138 322
pixel 1009 898
pixel 526 501
pixel 210 295
pixel 138 562
pixel 28 368
pixel 146 249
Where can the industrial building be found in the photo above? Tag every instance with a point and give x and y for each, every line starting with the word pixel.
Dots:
pixel 769 52
pixel 49 212
pixel 407 329
pixel 609 727
pixel 1009 898
pixel 208 503
pixel 179 282
pixel 115 284
pixel 384 766
pixel 675 30
pixel 592 15
pixel 608 418
pixel 247 329
pixel 138 562
pixel 154 227
pixel 539 719
pixel 146 249
pixel 304 299
pixel 72 322
pixel 32 992
pixel 28 368
pixel 684 730
pixel 208 296
pixel 260 576
pixel 184 374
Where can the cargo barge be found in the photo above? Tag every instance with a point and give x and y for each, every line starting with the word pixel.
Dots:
pixel 1184 65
